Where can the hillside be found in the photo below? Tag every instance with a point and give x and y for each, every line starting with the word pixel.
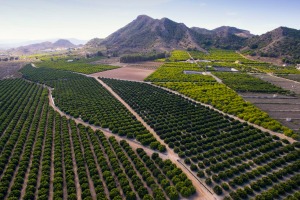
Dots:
pixel 281 42
pixel 33 48
pixel 147 34
pixel 94 43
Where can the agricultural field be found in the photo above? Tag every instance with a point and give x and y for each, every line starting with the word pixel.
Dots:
pixel 83 97
pixel 179 55
pixel 174 72
pixel 205 89
pixel 280 82
pixel 233 159
pixel 81 66
pixel 44 155
pixel 242 82
pixel 218 55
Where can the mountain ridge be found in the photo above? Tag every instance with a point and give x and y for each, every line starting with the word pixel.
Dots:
pixel 146 33
pixel 42 46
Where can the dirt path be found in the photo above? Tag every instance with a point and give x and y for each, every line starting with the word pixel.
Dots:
pixel 134 144
pixel 204 194
pixel 216 78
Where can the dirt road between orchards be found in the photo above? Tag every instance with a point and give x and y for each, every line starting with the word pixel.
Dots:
pixel 202 192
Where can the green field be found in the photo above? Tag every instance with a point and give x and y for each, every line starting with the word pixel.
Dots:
pixel 233 159
pixel 82 66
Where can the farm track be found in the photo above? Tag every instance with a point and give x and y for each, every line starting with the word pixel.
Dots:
pixel 134 144
pixel 171 154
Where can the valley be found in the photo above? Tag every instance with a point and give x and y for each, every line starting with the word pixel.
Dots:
pixel 156 110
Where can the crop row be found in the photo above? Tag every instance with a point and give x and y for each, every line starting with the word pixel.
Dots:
pixel 243 82
pixel 174 72
pixel 76 66
pixel 83 97
pixel 200 88
pixel 48 156
pixel 219 149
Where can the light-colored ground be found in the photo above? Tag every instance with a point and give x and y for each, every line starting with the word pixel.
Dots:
pixel 202 193
pixel 279 107
pixel 125 73
pixel 10 69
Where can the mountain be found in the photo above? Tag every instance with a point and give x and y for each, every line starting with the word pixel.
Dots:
pixel 8 44
pixel 33 48
pixel 281 42
pixel 94 43
pixel 63 44
pixel 148 34
pixel 225 31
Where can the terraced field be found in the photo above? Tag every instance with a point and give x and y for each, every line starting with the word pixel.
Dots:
pixel 233 159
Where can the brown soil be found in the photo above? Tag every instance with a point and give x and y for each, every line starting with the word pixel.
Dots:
pixel 125 73
pixel 10 69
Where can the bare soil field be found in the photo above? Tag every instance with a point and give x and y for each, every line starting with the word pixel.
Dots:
pixel 275 61
pixel 151 65
pixel 10 69
pixel 138 73
pixel 295 77
pixel 281 82
pixel 279 107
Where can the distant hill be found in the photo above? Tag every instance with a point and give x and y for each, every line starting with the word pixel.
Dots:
pixel 147 34
pixel 32 48
pixel 94 43
pixel 63 44
pixel 281 42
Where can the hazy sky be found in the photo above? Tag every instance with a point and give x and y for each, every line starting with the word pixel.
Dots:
pixel 86 19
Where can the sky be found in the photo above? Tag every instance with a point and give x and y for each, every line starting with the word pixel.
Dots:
pixel 87 19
